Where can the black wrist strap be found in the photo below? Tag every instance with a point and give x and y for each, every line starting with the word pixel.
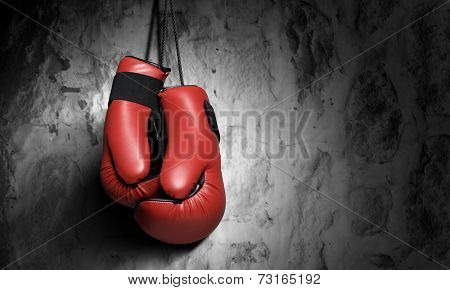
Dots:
pixel 136 88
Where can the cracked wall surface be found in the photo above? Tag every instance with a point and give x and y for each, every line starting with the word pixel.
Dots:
pixel 369 190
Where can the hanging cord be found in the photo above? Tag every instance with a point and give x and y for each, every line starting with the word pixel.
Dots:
pixel 174 24
pixel 164 34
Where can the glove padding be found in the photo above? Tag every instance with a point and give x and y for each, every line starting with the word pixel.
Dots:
pixel 131 127
pixel 193 202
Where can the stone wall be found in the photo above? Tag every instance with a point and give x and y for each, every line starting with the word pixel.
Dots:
pixel 373 192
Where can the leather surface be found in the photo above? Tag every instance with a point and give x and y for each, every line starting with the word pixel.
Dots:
pixel 126 159
pixel 139 66
pixel 192 149
pixel 169 207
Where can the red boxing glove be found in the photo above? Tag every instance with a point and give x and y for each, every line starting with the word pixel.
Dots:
pixel 132 146
pixel 191 176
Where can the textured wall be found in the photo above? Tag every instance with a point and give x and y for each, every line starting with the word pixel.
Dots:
pixel 378 135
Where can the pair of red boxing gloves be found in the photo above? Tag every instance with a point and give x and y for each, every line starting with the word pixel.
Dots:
pixel 161 154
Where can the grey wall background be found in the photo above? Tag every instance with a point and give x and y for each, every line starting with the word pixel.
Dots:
pixel 378 135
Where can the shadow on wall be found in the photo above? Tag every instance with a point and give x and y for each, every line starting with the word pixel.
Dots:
pixel 107 238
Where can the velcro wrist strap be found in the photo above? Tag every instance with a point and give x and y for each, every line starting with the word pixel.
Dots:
pixel 136 88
